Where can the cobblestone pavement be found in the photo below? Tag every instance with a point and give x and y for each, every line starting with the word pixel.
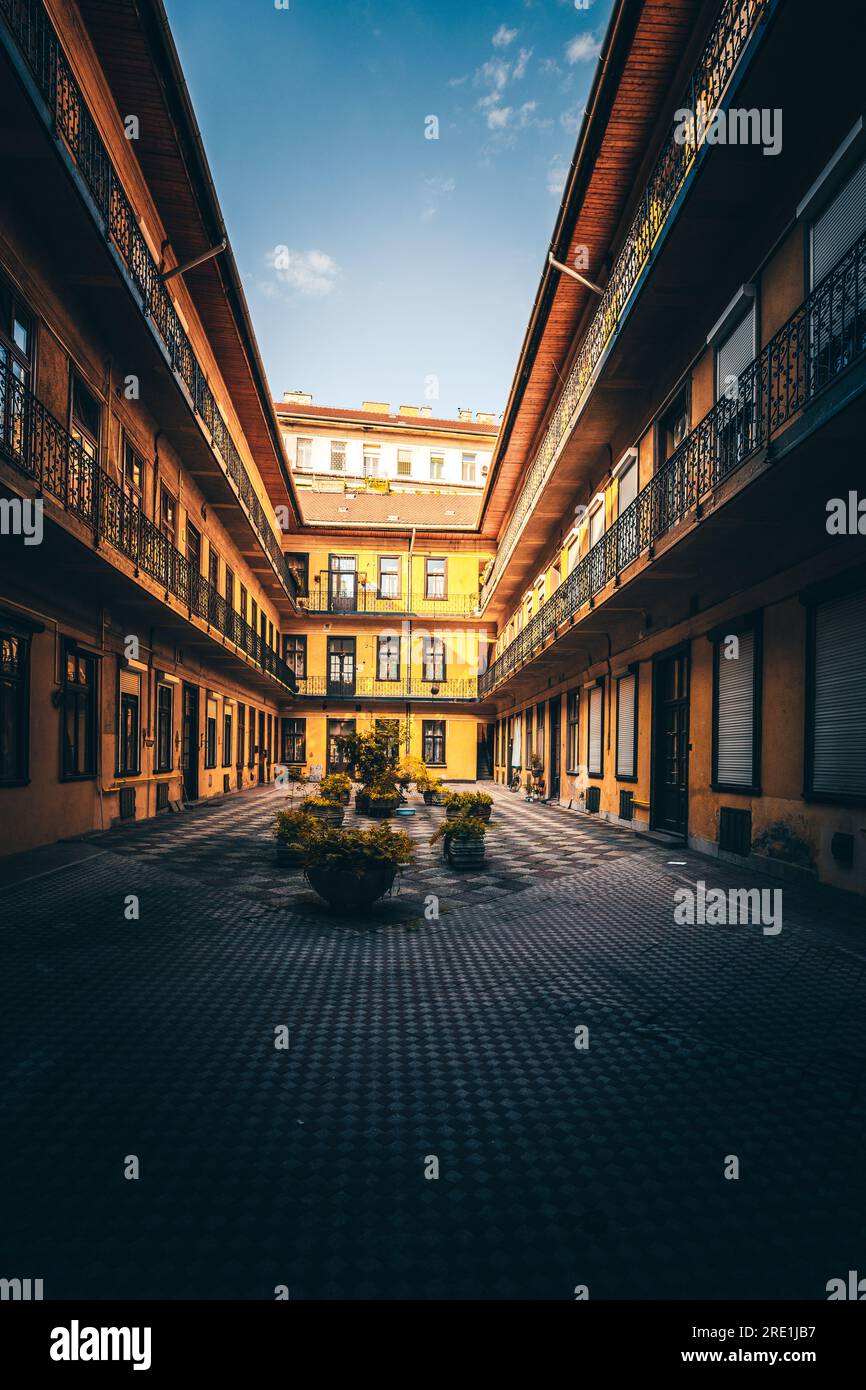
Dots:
pixel 411 1038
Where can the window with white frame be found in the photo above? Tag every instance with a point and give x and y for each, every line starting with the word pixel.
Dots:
pixel 404 463
pixel 595 730
pixel 469 468
pixel 338 455
pixel 437 467
pixel 372 455
pixel 596 524
pixel 304 453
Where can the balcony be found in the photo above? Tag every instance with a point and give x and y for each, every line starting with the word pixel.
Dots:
pixel 38 446
pixel 71 122
pixel 366 688
pixel 813 350
pixel 735 26
pixel 351 597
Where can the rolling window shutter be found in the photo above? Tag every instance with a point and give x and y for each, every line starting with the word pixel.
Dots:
pixel 839 226
pixel 736 352
pixel 625 727
pixel 735 759
pixel 839 745
pixel 595 712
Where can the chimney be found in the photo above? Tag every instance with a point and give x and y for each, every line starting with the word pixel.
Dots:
pixel 376 407
pixel 485 417
pixel 297 398
pixel 408 410
pixel 464 415
pixel 426 411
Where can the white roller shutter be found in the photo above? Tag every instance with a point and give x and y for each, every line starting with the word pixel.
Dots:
pixel 735 757
pixel 596 708
pixel 841 224
pixel 735 354
pixel 839 728
pixel 626 715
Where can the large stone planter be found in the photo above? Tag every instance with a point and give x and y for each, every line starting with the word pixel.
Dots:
pixel 332 814
pixel 383 806
pixel 464 853
pixel 362 802
pixel 346 891
pixel 439 798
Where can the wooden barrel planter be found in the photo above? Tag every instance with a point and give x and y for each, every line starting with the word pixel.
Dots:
pixel 464 853
pixel 332 814
pixel 346 891
pixel 382 806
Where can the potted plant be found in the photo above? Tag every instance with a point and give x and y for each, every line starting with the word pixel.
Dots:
pixel 292 831
pixel 463 841
pixel 428 786
pixel 384 797
pixel 336 787
pixel 469 803
pixel 352 869
pixel 331 812
pixel 362 801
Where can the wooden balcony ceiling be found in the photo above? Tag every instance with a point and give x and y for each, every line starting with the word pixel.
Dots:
pixel 142 69
pixel 640 84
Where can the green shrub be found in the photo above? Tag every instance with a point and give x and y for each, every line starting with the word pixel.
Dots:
pixel 358 850
pixel 335 787
pixel 465 827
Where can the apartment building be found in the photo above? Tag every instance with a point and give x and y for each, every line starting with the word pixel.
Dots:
pixel 677 497
pixel 143 587
pixel 376 449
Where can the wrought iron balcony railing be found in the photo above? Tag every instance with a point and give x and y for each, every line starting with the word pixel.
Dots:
pixel 358 597
pixel 736 23
pixel 367 688
pixel 40 47
pixel 35 443
pixel 825 336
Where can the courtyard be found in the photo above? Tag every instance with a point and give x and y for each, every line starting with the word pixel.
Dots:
pixel 582 1068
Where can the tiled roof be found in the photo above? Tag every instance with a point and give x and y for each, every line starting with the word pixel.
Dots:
pixel 430 510
pixel 375 417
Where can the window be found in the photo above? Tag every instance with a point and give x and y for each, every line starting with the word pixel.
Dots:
pixel 304 453
pixel 133 473
pixel 16 363
pixel 79 699
pixel 251 751
pixel 254 616
pixel 167 514
pixel 572 748
pixel 468 468
pixel 626 727
pixel 227 736
pixel 626 488
pixel 14 703
pixel 736 708
pixel 210 736
pixel 573 553
pixel 835 327
pixel 193 547
pixel 342 583
pixel 295 654
pixel 433 658
pixel 734 354
pixel 539 734
pixel 244 606
pixel 337 758
pixel 839 226
pixel 164 726
pixel 299 564
pixel 404 463
pixel 672 426
pixel 341 665
pixel 434 579
pixel 129 724
pixel 371 460
pixel 213 575
pixel 388 659
pixel 595 751
pixel 437 467
pixel 230 589
pixel 294 741
pixel 389 576
pixel 837 699
pixel 338 455
pixel 596 525
pixel 433 742
pixel 86 417
pixel 242 735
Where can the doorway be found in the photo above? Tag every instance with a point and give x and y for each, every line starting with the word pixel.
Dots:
pixel 484 757
pixel 553 761
pixel 670 781
pixel 262 752
pixel 189 742
pixel 341 666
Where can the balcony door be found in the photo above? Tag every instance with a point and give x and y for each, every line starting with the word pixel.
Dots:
pixel 189 742
pixel 553 761
pixel 670 782
pixel 337 728
pixel 342 584
pixel 341 665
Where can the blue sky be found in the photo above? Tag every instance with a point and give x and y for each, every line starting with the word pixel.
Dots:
pixel 380 264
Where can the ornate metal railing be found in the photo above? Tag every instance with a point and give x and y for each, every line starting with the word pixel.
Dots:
pixel 39 446
pixel 364 598
pixel 367 688
pixel 819 342
pixel 734 27
pixel 40 46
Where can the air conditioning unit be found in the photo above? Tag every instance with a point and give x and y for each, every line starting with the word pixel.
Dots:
pixel 485 469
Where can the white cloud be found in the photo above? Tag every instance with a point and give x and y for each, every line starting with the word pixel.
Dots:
pixel 458 81
pixel 312 273
pixel 582 49
pixel 504 36
pixel 494 73
pixel 499 117
pixel 557 173
pixel 521 63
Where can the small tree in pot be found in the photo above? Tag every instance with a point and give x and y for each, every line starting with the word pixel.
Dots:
pixel 429 787
pixel 351 869
pixel 336 787
pixel 384 796
pixel 292 830
pixel 463 841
